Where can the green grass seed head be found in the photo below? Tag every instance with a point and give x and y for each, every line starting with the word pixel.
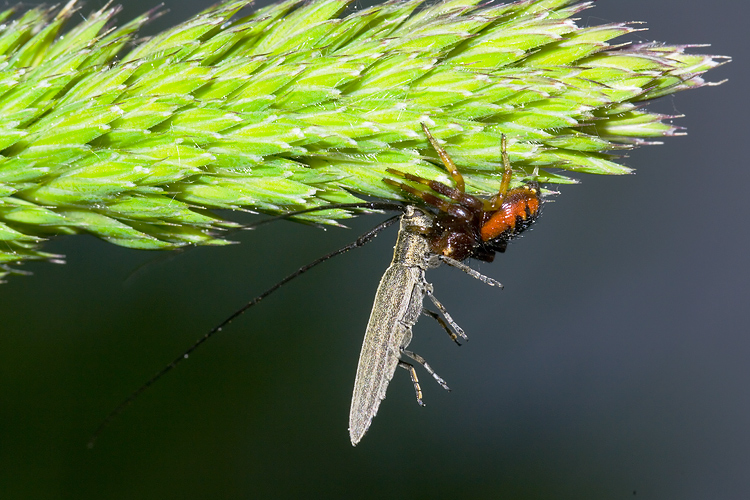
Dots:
pixel 300 104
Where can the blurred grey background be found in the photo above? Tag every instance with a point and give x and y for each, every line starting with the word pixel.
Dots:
pixel 613 365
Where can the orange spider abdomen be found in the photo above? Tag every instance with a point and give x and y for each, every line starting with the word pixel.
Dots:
pixel 519 209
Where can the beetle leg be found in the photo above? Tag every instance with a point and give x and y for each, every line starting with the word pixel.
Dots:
pixel 415 380
pixel 441 322
pixel 419 359
pixel 444 312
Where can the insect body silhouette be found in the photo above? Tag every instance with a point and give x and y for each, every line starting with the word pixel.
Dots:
pixel 464 227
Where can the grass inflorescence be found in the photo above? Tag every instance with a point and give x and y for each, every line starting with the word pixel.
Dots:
pixel 302 104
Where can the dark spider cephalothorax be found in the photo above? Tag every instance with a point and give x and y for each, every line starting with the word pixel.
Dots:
pixel 468 226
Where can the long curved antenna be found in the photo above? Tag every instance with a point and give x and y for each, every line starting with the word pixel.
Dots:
pixel 361 241
pixel 368 205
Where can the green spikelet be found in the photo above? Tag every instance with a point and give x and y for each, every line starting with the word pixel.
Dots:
pixel 299 105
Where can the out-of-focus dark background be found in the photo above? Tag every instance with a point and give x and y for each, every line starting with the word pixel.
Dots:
pixel 615 364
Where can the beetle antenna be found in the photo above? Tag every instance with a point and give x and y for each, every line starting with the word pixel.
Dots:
pixel 361 241
pixel 370 205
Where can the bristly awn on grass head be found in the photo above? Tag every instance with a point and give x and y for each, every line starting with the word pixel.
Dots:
pixel 464 226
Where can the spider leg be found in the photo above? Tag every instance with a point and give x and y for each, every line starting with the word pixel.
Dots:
pixel 464 200
pixel 428 198
pixel 449 165
pixel 498 199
